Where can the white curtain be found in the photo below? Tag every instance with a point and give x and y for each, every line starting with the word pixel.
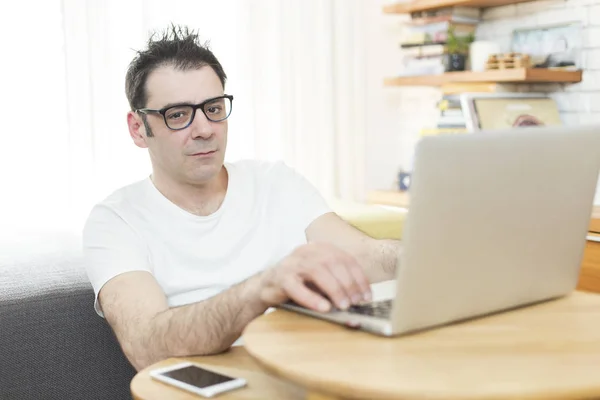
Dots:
pixel 295 67
pixel 309 89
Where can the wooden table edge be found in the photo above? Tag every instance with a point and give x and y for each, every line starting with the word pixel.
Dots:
pixel 145 373
pixel 322 387
pixel 319 390
pixel 235 358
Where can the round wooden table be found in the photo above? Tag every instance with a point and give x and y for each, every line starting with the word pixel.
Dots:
pixel 236 362
pixel 547 351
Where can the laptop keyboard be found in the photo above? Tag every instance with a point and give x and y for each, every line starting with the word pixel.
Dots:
pixel 379 309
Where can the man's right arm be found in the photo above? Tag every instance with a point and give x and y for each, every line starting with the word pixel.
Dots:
pixel 149 331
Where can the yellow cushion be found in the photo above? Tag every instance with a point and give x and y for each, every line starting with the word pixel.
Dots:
pixel 376 221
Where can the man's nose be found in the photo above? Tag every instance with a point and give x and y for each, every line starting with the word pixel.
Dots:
pixel 201 126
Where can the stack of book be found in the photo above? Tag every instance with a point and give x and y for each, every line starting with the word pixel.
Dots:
pixel 451 119
pixel 424 48
pixel 451 113
pixel 466 15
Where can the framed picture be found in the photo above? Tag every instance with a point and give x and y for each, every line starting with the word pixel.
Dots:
pixel 490 111
pixel 554 46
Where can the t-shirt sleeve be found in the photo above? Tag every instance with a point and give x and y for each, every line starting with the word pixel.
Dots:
pixel 110 247
pixel 302 198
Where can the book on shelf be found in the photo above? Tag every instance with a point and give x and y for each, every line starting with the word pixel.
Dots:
pixel 424 61
pixel 432 50
pixel 451 126
pixel 432 31
pixel 443 18
pixel 435 33
pixel 451 115
pixel 430 65
pixel 449 102
pixel 413 41
pixel 458 11
pixel 413 70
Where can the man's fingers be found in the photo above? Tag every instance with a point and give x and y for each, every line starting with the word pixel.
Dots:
pixel 363 284
pixel 324 276
pixel 347 281
pixel 298 292
pixel 326 282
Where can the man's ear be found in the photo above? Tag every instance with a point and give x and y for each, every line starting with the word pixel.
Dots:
pixel 137 129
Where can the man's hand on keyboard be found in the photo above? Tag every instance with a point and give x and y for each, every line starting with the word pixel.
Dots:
pixel 314 276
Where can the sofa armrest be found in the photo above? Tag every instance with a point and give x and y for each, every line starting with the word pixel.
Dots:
pixel 376 221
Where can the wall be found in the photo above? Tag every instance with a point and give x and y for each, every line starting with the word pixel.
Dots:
pixel 578 103
pixel 395 114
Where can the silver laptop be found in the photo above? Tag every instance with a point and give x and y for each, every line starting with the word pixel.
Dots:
pixel 497 220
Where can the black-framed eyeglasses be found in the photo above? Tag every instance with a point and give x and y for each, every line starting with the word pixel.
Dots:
pixel 180 116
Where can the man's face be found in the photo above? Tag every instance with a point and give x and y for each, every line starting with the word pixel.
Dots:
pixel 193 155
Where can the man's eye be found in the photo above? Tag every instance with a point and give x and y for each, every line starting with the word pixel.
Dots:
pixel 214 109
pixel 177 115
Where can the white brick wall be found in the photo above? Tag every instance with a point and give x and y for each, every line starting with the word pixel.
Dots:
pixel 393 123
pixel 578 103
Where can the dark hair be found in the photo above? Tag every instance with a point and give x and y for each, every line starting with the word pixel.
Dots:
pixel 177 46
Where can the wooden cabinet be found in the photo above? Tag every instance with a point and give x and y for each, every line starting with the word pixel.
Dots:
pixel 589 278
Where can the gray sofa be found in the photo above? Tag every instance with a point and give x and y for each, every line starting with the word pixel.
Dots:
pixel 52 343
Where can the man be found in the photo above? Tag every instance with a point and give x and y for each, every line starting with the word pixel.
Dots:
pixel 182 261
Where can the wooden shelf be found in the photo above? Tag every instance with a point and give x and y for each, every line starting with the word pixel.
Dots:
pixel 423 5
pixel 516 75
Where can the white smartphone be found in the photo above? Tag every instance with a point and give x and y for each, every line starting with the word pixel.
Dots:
pixel 196 379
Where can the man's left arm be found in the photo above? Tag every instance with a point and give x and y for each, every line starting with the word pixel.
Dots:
pixel 378 257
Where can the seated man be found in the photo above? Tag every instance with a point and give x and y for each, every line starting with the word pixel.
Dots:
pixel 183 260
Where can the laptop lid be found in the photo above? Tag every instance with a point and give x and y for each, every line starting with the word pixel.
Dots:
pixel 497 220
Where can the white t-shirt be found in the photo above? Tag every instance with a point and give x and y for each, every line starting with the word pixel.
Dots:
pixel 263 217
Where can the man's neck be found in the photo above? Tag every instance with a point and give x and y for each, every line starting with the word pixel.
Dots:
pixel 203 199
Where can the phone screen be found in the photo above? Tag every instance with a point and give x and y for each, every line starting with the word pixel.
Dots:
pixel 198 377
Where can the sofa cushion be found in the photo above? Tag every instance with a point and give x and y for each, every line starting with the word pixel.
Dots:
pixel 52 343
